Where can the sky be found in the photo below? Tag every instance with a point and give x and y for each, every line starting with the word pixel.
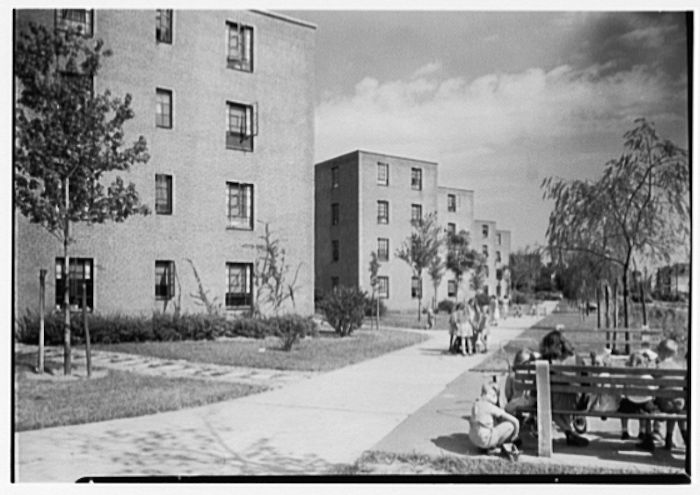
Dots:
pixel 501 100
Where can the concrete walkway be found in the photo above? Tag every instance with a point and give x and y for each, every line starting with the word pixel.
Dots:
pixel 305 427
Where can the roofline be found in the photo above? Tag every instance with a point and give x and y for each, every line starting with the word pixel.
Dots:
pixel 485 221
pixel 335 158
pixel 285 18
pixel 450 188
pixel 366 152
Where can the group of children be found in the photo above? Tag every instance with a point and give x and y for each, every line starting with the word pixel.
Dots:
pixel 468 328
pixel 496 429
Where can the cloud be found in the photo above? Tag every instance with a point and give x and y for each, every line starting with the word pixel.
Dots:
pixel 435 116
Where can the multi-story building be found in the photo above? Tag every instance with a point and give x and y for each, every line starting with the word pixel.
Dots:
pixel 365 202
pixel 225 102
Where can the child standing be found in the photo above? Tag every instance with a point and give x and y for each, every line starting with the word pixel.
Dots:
pixel 491 427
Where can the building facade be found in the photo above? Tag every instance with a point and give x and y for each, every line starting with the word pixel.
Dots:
pixel 365 202
pixel 230 150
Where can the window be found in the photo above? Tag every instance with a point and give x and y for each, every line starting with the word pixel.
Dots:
pixel 451 202
pixel 80 271
pixel 335 282
pixel 165 280
pixel 334 178
pixel 382 174
pixel 239 292
pixel 383 249
pixel 499 239
pixel 486 271
pixel 485 250
pixel 382 212
pixel 451 288
pixel 451 230
pixel 164 194
pixel 498 256
pixel 239 205
pixel 335 214
pixel 78 19
pixel 485 231
pixel 383 287
pixel 416 179
pixel 164 26
pixel 239 47
pixel 416 289
pixel 416 213
pixel 164 108
pixel 241 126
pixel 335 250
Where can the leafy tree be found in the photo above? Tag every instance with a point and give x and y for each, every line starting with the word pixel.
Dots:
pixel 421 246
pixel 436 270
pixel 68 139
pixel 525 265
pixel 461 258
pixel 272 273
pixel 478 271
pixel 344 309
pixel 638 210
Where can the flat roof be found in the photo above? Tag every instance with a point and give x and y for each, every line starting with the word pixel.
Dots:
pixel 366 152
pixel 285 18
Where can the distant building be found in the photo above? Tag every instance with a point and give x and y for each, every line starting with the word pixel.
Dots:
pixel 365 202
pixel 225 101
pixel 673 280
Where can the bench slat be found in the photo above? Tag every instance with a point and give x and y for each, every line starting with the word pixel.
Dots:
pixel 611 414
pixel 620 391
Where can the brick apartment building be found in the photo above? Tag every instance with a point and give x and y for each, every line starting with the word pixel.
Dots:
pixel 365 202
pixel 225 102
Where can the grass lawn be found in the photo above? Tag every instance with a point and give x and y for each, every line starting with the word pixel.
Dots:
pixel 384 463
pixel 59 401
pixel 323 353
pixel 583 334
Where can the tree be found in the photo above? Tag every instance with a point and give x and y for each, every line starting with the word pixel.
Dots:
pixel 436 270
pixel 525 265
pixel 420 248
pixel 374 283
pixel 638 210
pixel 478 271
pixel 272 273
pixel 67 139
pixel 461 258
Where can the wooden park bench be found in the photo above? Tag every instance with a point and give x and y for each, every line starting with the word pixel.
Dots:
pixel 631 339
pixel 543 380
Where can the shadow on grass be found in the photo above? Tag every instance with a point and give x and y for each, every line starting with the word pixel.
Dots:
pixel 457 443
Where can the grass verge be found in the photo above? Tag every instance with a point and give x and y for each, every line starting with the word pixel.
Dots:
pixel 58 401
pixel 323 353
pixel 386 463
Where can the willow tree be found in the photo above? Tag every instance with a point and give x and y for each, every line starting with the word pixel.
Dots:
pixel 638 210
pixel 68 139
pixel 420 248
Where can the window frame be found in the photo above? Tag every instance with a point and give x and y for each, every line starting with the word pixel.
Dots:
pixel 247 295
pixel 335 282
pixel 160 37
pixel 382 283
pixel 383 181
pixel 451 203
pixel 415 207
pixel 484 231
pixel 416 173
pixel 166 209
pixel 451 288
pixel 416 288
pixel 380 251
pixel 245 196
pixel 498 257
pixel 382 219
pixel 485 250
pixel 75 286
pixel 499 238
pixel 243 140
pixel 335 213
pixel 159 116
pixel 335 182
pixel 63 24
pixel 168 272
pixel 245 61
pixel 335 250
pixel 451 229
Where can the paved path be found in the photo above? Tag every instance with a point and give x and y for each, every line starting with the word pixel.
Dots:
pixel 305 427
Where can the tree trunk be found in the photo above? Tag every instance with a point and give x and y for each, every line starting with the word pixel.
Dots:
pixel 616 311
pixel 88 354
pixel 42 304
pixel 625 306
pixel 643 296
pixel 66 283
pixel 597 305
pixel 607 306
pixel 419 304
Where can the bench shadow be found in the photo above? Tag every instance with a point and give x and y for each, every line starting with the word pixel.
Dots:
pixel 457 443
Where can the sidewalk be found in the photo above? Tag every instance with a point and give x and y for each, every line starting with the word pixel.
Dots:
pixel 305 427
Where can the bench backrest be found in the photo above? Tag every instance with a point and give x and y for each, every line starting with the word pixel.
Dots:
pixel 665 383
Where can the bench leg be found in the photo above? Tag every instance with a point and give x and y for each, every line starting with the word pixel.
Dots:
pixel 544 410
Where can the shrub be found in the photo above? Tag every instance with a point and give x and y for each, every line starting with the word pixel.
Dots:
pixel 446 305
pixel 290 328
pixel 517 297
pixel 371 307
pixel 344 309
pixel 247 327
pixel 482 299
